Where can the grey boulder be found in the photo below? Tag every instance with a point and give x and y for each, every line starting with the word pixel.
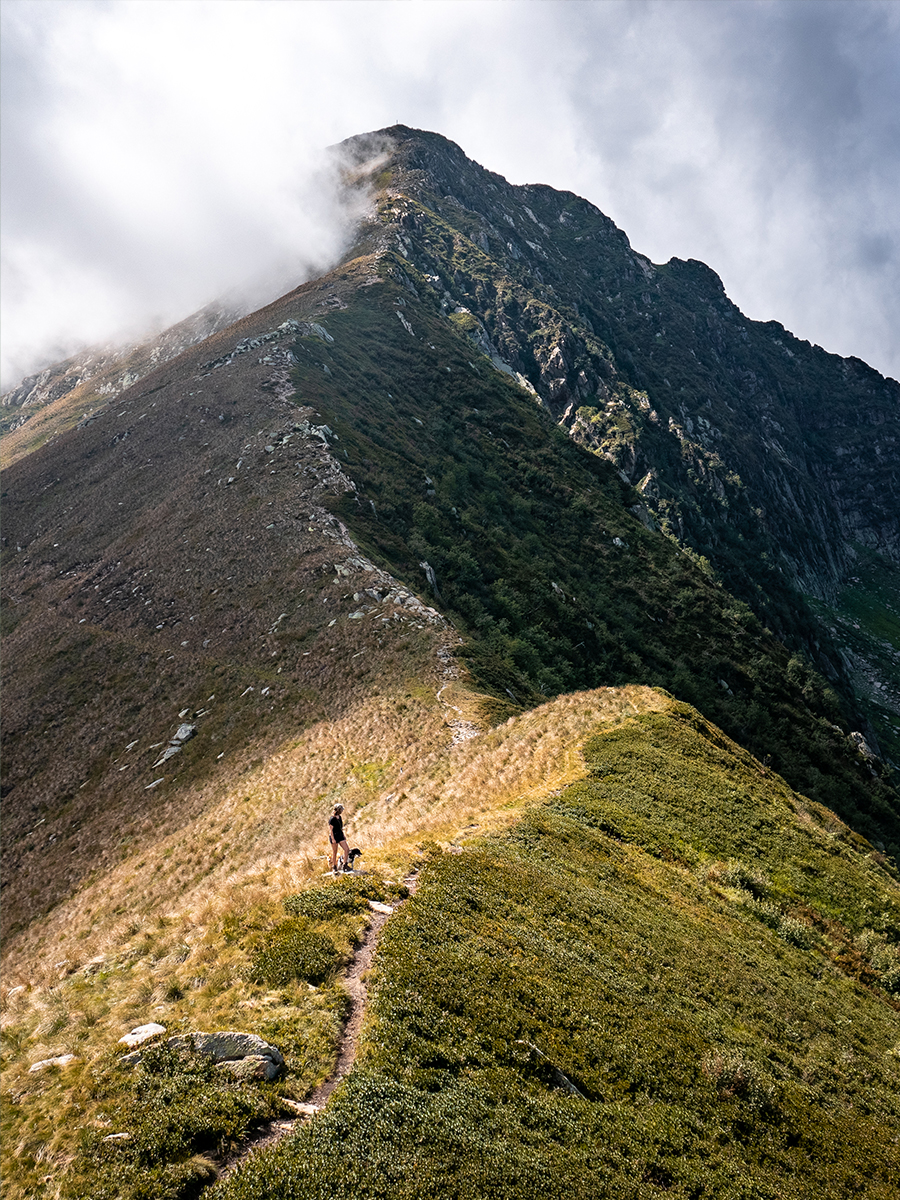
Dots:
pixel 228 1048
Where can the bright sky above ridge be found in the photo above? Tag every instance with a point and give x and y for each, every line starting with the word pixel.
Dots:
pixel 157 154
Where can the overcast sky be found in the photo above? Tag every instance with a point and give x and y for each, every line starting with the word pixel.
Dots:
pixel 157 154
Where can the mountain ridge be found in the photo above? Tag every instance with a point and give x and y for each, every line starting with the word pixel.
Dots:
pixel 379 543
pixel 559 382
pixel 797 528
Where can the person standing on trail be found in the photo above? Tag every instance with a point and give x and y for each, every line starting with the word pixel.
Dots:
pixel 336 839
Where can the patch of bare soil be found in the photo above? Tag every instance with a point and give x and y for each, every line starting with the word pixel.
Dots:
pixel 353 981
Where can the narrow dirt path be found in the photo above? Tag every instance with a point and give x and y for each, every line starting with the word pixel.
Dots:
pixel 271 1132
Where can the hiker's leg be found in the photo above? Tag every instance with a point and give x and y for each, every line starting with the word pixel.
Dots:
pixel 332 846
pixel 345 851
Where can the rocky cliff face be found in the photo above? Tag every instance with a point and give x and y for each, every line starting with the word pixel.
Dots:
pixel 764 454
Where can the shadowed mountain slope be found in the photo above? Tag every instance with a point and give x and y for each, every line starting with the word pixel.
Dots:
pixel 772 459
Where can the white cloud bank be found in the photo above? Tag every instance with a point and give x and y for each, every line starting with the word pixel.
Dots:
pixel 159 154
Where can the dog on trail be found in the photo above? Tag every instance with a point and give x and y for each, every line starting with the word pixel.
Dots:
pixel 354 854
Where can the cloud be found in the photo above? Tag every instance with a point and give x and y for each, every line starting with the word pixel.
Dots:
pixel 140 182
pixel 159 154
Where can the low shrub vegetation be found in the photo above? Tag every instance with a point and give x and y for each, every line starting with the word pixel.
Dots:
pixel 588 1001
pixel 174 1109
pixel 293 951
pixel 346 895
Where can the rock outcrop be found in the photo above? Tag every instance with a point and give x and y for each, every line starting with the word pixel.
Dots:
pixel 245 1055
pixel 731 430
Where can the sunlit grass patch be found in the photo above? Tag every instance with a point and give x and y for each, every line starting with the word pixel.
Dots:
pixel 631 903
pixel 587 997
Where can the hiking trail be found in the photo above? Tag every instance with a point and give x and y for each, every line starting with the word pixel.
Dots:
pixel 271 1132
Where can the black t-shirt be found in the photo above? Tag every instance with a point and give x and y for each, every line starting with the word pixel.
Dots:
pixel 337 827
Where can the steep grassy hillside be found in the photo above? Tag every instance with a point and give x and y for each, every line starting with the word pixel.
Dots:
pixel 173 561
pixel 186 931
pixel 674 977
pixel 640 961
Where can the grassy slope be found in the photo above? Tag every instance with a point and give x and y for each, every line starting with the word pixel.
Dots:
pixel 180 944
pixel 456 466
pixel 679 935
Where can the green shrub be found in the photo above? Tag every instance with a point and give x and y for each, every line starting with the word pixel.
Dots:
pixel 323 903
pixel 883 958
pixel 737 1078
pixel 735 874
pixel 795 932
pixel 764 910
pixel 292 951
pixel 348 894
pixel 176 1107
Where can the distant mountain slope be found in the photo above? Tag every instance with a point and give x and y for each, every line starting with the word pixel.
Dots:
pixel 72 392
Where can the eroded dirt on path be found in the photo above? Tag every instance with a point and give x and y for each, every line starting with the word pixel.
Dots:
pixel 353 982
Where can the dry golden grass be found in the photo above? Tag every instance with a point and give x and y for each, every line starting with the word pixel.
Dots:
pixel 388 761
pixel 150 940
pixel 119 952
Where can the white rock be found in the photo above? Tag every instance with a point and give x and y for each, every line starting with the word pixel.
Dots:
pixel 250 1067
pixel 377 906
pixel 306 1110
pixel 61 1060
pixel 141 1033
pixel 224 1047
